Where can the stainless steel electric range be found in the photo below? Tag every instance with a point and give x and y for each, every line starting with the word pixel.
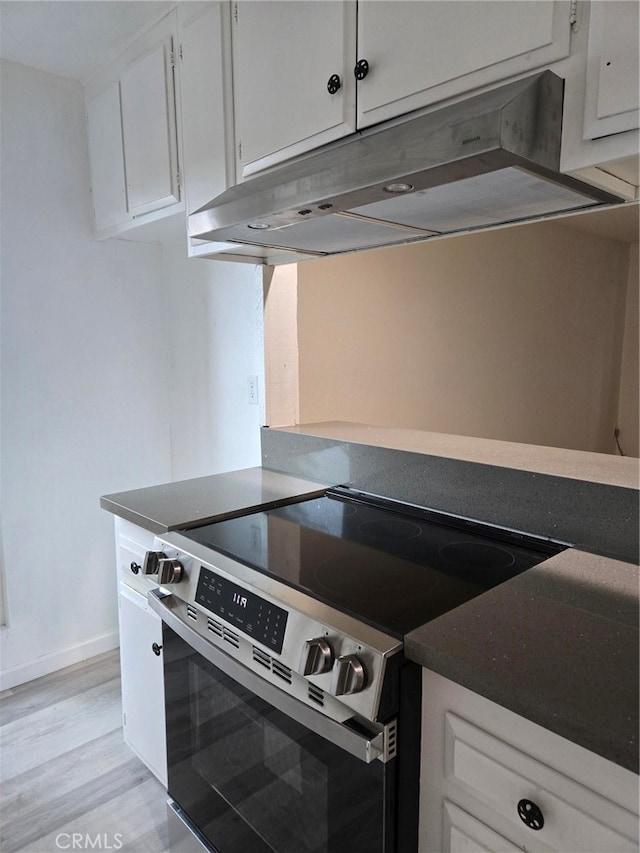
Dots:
pixel 293 717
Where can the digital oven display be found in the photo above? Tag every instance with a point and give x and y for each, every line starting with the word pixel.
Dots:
pixel 252 615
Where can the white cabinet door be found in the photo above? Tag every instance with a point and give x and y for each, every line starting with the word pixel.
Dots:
pixel 285 53
pixel 106 158
pixel 142 681
pixel 132 134
pixel 612 96
pixel 421 53
pixel 205 105
pixel 149 131
pixel 418 53
pixel 206 101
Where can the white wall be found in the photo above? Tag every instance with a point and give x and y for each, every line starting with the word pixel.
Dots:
pixel 123 365
pixel 215 342
pixel 281 346
pixel 82 381
pixel 513 334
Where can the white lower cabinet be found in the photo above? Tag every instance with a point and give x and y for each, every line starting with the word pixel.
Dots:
pixel 142 672
pixel 494 781
pixel 142 681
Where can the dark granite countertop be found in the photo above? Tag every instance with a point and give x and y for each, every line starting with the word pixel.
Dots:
pixel 190 503
pixel 557 644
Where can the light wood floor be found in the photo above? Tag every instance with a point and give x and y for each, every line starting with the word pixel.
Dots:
pixel 65 769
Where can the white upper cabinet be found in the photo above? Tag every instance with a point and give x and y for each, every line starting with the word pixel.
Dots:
pixel 287 56
pixel 206 102
pixel 106 158
pixel 290 56
pixel 207 115
pixel 601 123
pixel 264 81
pixel 612 98
pixel 132 133
pixel 419 53
pixel 149 130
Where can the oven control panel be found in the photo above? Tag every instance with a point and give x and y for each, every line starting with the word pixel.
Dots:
pixel 250 613
pixel 320 655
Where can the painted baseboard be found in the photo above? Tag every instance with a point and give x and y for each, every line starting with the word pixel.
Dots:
pixel 15 675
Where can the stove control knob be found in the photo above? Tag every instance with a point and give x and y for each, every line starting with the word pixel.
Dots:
pixel 151 560
pixel 316 657
pixel 347 676
pixel 169 571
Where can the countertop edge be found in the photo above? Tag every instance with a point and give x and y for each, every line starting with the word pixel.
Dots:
pixel 134 517
pixel 566 726
pixel 587 466
pixel 182 504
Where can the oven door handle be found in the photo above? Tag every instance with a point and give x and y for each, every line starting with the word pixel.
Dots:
pixel 367 749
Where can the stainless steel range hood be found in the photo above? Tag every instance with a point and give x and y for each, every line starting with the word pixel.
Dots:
pixel 486 160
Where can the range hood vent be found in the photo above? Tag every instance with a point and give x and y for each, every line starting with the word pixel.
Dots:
pixel 487 160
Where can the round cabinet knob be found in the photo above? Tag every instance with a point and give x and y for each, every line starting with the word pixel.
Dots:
pixel 151 561
pixel 316 657
pixel 170 571
pixel 361 70
pixel 530 814
pixel 156 649
pixel 333 84
pixel 135 567
pixel 347 676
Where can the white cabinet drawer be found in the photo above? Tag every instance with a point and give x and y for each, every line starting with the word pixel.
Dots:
pixel 496 774
pixel 132 543
pixel 130 555
pixel 462 833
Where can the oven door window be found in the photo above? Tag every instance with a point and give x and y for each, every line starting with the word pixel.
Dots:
pixel 253 780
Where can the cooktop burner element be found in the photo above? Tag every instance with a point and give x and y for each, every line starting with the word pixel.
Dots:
pixel 392 566
pixel 477 555
pixel 378 530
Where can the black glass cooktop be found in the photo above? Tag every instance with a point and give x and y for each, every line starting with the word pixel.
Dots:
pixel 393 569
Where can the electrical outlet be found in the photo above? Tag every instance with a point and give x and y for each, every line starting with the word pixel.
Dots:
pixel 253 389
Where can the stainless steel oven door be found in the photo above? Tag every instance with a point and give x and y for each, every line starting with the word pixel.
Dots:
pixel 257 771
